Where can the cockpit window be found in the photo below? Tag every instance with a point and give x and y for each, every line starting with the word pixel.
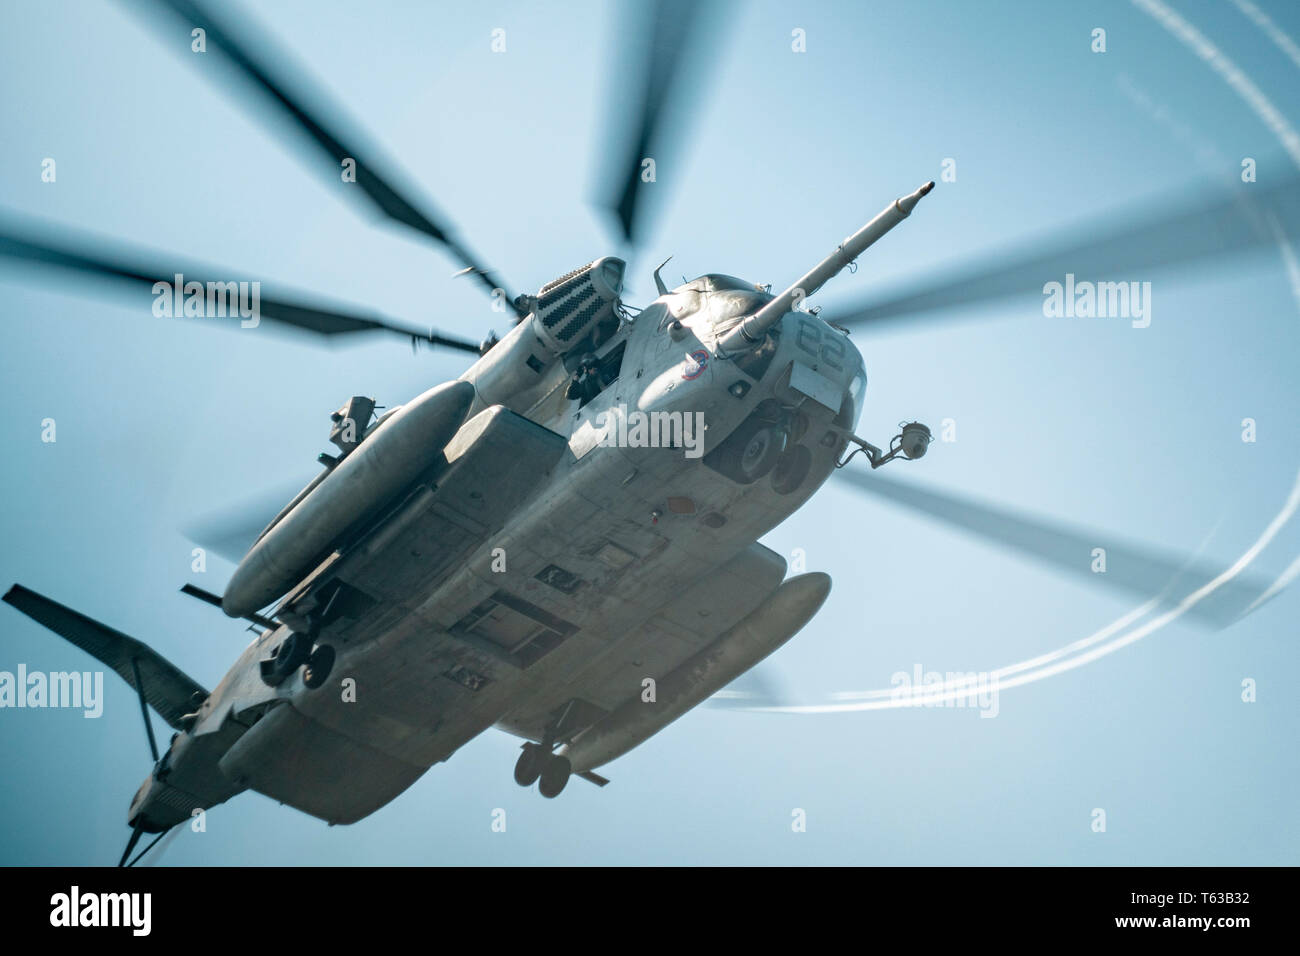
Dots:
pixel 720 283
pixel 726 306
pixel 727 299
pixel 717 282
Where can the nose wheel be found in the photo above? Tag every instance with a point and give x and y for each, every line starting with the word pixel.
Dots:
pixel 752 450
pixel 538 765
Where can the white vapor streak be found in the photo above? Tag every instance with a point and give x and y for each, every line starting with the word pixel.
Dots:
pixel 1199 44
pixel 970 680
pixel 1103 642
pixel 1051 662
pixel 1285 578
pixel 1271 29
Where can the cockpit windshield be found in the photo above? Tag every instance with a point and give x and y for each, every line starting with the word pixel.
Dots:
pixel 725 307
pixel 728 298
pixel 717 282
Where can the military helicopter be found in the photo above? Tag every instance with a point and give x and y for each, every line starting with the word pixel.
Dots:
pixel 495 552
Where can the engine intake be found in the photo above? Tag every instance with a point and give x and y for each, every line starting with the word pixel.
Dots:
pixel 569 308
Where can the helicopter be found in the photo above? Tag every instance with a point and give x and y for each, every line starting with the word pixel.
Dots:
pixel 562 543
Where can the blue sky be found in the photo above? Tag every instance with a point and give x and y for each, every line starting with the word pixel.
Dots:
pixel 1130 431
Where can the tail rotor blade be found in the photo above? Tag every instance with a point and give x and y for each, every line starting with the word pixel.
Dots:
pixel 162 841
pixel 136 832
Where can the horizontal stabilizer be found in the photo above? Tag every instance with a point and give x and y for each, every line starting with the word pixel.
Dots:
pixel 167 689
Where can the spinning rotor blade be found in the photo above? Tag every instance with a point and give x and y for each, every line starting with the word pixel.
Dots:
pixel 652 85
pixel 1129 567
pixel 1248 217
pixel 372 178
pixel 231 531
pixel 165 838
pixel 77 255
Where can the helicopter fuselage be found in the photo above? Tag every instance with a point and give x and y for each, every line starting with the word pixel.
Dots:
pixel 572 555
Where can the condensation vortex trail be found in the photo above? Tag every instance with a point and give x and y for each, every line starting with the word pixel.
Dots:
pixel 1116 635
pixel 1105 641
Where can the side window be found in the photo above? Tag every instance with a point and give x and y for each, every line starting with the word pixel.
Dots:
pixel 594 375
pixel 612 364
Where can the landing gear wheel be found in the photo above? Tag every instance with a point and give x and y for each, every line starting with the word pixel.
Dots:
pixel 529 766
pixel 760 453
pixel 749 452
pixel 791 469
pixel 319 665
pixel 289 656
pixel 555 774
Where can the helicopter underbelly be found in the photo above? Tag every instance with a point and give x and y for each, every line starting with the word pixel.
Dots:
pixel 300 762
pixel 563 591
pixel 627 563
pixel 342 772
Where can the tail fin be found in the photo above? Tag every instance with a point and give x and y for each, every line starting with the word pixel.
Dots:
pixel 166 688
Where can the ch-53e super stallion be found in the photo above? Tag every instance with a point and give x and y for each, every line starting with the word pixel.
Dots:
pixel 563 542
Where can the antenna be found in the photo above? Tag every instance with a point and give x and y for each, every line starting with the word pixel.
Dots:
pixel 659 283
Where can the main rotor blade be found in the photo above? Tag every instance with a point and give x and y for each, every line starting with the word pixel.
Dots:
pixel 373 177
pixel 77 254
pixel 652 84
pixel 1248 216
pixel 231 530
pixel 1128 567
